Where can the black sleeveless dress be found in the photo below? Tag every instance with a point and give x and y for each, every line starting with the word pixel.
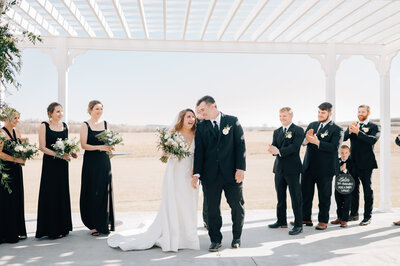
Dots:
pixel 96 203
pixel 54 208
pixel 12 217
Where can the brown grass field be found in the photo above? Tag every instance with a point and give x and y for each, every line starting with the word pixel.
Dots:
pixel 137 177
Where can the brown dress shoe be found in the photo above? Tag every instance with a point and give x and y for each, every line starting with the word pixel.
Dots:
pixel 396 223
pixel 306 223
pixel 343 224
pixel 337 221
pixel 321 226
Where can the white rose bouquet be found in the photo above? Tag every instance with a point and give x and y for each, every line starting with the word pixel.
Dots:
pixel 23 150
pixel 66 146
pixel 110 138
pixel 172 144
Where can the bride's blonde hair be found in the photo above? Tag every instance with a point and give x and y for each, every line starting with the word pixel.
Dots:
pixel 181 117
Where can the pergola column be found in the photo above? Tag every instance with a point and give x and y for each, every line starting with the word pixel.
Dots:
pixel 330 77
pixel 62 72
pixel 383 64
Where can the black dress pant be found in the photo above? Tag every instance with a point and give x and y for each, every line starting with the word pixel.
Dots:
pixel 363 175
pixel 324 185
pixel 234 196
pixel 343 203
pixel 205 208
pixel 281 184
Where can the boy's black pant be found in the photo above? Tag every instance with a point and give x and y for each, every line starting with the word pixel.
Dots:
pixel 343 203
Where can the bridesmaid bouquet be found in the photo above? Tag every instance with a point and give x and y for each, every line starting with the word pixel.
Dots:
pixel 65 146
pixel 172 144
pixel 4 178
pixel 24 150
pixel 110 138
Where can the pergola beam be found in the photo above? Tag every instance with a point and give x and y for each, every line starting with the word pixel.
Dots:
pixel 350 21
pixel 207 18
pixel 271 19
pixel 332 20
pixel 20 21
pixel 120 12
pixel 294 17
pixel 258 8
pixel 384 14
pixel 53 12
pixel 206 46
pixel 229 17
pixel 312 20
pixel 143 18
pixel 77 15
pixel 100 17
pixel 186 19
pixel 39 19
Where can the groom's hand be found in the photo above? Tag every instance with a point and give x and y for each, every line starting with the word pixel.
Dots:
pixel 239 176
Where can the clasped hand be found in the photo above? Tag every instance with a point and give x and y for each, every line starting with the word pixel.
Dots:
pixel 354 128
pixel 312 138
pixel 273 150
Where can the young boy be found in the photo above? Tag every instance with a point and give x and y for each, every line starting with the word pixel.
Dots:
pixel 343 202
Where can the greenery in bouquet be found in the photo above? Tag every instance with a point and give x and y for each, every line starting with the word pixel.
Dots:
pixel 65 146
pixel 23 150
pixel 172 143
pixel 109 137
pixel 4 178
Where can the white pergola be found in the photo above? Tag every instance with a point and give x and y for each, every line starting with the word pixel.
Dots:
pixel 327 30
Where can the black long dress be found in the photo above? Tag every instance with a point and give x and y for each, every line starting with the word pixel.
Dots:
pixel 54 208
pixel 96 203
pixel 12 217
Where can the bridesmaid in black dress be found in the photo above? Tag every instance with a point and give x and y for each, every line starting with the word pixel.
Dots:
pixel 12 217
pixel 54 209
pixel 96 203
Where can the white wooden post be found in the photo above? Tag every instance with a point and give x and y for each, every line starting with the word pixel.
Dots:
pixel 330 77
pixel 62 70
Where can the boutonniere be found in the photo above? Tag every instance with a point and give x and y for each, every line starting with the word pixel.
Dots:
pixel 288 135
pixel 323 135
pixel 226 129
pixel 365 129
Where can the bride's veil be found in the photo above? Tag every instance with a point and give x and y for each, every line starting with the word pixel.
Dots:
pixel 174 122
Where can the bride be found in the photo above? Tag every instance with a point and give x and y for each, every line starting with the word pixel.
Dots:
pixel 175 226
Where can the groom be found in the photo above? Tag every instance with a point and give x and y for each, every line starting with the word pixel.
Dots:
pixel 220 162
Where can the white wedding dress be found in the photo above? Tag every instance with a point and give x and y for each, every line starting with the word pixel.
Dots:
pixel 175 226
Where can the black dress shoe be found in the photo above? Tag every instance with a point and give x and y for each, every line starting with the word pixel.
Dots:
pixel 277 225
pixel 235 243
pixel 214 246
pixel 353 218
pixel 365 221
pixel 296 230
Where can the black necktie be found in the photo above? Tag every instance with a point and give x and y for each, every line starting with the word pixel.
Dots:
pixel 361 125
pixel 284 130
pixel 320 128
pixel 216 130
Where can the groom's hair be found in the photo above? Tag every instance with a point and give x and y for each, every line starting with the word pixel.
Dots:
pixel 325 106
pixel 207 99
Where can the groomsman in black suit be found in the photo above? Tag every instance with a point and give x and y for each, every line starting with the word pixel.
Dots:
pixel 220 162
pixel 285 146
pixel 200 119
pixel 363 135
pixel 323 139
pixel 398 143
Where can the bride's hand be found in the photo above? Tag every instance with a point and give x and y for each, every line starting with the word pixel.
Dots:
pixel 195 181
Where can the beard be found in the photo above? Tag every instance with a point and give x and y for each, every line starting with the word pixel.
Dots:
pixel 324 120
pixel 362 117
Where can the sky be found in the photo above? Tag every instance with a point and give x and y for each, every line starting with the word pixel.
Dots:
pixel 147 88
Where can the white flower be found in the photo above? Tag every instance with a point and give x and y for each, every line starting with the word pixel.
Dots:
pixel 323 135
pixel 288 135
pixel 226 129
pixel 365 129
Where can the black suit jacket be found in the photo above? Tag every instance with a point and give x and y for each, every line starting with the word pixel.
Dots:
pixel 362 146
pixel 222 152
pixel 289 162
pixel 323 160
pixel 397 140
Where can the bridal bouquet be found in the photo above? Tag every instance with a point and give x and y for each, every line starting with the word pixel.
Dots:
pixel 4 178
pixel 23 150
pixel 65 146
pixel 110 138
pixel 172 144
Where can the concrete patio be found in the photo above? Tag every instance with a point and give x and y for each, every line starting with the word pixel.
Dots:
pixel 375 244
